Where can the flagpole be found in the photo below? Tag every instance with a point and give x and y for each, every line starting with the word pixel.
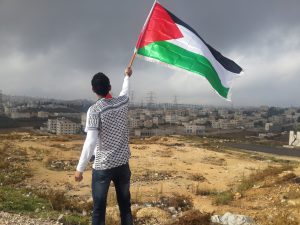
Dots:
pixel 143 29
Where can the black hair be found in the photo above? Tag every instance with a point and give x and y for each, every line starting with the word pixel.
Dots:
pixel 101 84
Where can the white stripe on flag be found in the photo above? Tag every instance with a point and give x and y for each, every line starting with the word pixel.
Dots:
pixel 194 44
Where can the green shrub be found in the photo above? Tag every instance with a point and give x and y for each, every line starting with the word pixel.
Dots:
pixel 13 200
pixel 223 198
pixel 75 220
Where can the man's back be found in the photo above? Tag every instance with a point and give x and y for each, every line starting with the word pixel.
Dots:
pixel 109 116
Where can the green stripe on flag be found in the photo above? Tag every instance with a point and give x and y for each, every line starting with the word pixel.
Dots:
pixel 180 57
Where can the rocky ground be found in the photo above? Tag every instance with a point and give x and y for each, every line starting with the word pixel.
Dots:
pixel 9 219
pixel 175 180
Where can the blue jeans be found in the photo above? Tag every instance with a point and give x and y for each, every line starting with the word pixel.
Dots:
pixel 100 184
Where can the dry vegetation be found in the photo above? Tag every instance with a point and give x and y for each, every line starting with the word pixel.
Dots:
pixel 183 180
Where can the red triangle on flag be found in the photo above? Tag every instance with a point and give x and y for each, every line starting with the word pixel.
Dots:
pixel 160 27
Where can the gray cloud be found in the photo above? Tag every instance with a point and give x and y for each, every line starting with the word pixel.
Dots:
pixel 52 48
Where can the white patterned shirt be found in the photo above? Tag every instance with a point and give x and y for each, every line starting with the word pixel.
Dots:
pixel 107 132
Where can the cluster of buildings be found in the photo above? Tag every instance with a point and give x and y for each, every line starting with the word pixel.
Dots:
pixel 55 116
pixel 197 121
pixel 69 117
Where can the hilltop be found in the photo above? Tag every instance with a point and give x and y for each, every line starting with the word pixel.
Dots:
pixel 175 180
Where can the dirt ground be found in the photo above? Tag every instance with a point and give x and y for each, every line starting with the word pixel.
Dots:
pixel 163 166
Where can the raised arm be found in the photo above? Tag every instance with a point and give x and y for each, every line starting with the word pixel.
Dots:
pixel 125 87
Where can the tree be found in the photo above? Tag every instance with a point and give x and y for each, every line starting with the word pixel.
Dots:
pixel 258 124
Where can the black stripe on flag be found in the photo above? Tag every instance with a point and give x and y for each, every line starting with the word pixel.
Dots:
pixel 228 64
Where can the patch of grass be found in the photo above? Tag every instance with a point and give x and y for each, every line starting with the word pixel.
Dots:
pixel 59 201
pixel 166 153
pixel 75 220
pixel 260 175
pixel 281 218
pixel 13 165
pixel 152 175
pixel 293 194
pixel 178 201
pixel 13 200
pixel 193 217
pixel 223 198
pixel 205 191
pixel 60 147
pixel 214 161
pixel 109 220
pixel 137 196
pixel 197 177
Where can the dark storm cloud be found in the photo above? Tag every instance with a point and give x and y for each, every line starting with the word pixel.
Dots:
pixel 53 47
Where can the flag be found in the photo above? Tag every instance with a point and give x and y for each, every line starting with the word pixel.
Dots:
pixel 167 39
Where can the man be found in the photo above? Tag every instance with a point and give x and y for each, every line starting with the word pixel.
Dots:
pixel 107 131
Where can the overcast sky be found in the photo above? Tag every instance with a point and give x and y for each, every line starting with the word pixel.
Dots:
pixel 52 48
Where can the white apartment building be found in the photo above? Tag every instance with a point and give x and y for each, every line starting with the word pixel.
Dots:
pixel 7 110
pixel 20 115
pixel 215 124
pixel 83 119
pixel 134 123
pixel 62 126
pixel 194 129
pixel 42 114
pixel 294 139
pixel 65 126
pixel 158 120
pixel 171 118
pixel 51 125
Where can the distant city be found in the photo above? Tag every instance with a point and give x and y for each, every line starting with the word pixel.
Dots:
pixel 151 119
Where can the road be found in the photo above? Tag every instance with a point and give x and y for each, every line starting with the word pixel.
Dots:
pixel 266 149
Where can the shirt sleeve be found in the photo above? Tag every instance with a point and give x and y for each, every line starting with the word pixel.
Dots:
pixel 89 127
pixel 92 120
pixel 88 149
pixel 125 87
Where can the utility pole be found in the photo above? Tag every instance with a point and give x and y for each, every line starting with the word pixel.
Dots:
pixel 175 102
pixel 150 99
pixel 1 103
pixel 131 96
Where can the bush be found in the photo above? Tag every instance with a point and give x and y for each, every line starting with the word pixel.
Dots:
pixel 75 220
pixel 13 200
pixel 59 201
pixel 198 177
pixel 260 175
pixel 178 201
pixel 13 167
pixel 193 217
pixel 223 198
pixel 205 191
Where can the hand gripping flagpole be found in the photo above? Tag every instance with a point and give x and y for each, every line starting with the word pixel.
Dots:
pixel 141 35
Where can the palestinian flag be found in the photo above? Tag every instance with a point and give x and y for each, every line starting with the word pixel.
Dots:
pixel 165 38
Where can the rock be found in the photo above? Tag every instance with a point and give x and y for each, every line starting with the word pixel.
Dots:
pixel 90 200
pixel 7 219
pixel 294 202
pixel 232 219
pixel 59 219
pixel 287 175
pixel 237 196
pixel 172 210
pixel 297 180
pixel 113 212
pixel 153 212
